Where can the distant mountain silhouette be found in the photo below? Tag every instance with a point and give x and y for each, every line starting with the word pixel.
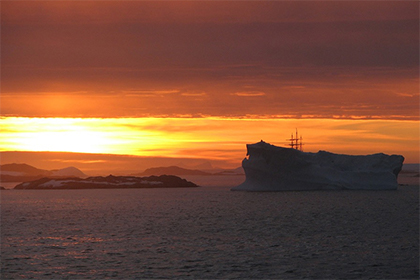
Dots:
pixel 204 166
pixel 173 170
pixel 236 171
pixel 176 170
pixel 67 172
pixel 22 168
pixel 21 172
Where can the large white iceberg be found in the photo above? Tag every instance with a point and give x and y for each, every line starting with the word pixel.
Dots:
pixel 272 168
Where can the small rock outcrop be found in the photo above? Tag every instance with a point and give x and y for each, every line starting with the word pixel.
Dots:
pixel 272 168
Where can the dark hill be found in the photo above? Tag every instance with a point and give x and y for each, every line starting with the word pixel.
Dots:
pixel 173 170
pixel 21 172
pixel 23 168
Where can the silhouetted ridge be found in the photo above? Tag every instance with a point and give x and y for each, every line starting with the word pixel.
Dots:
pixel 173 170
pixel 21 172
pixel 22 167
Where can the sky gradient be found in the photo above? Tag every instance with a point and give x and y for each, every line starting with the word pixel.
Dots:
pixel 181 62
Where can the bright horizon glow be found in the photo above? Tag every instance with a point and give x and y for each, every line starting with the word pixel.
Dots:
pixel 209 138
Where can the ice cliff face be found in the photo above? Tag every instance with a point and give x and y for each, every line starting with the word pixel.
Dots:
pixel 272 168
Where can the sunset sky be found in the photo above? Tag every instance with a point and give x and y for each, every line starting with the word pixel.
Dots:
pixel 197 79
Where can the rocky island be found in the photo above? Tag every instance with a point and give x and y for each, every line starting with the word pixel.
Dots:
pixel 272 168
pixel 109 182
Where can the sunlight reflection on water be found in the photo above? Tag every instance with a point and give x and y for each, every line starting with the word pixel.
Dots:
pixel 208 233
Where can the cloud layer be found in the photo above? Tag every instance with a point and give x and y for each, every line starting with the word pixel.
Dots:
pixel 113 59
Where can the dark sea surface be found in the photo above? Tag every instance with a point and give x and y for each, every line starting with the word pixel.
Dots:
pixel 209 233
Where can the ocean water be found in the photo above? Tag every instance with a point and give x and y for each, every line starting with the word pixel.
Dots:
pixel 209 233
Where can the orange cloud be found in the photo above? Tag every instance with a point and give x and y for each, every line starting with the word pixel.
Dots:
pixel 196 94
pixel 139 58
pixel 249 93
pixel 148 93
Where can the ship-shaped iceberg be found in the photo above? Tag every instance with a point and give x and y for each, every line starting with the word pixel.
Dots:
pixel 272 168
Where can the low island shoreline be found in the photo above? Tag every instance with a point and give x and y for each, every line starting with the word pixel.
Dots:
pixel 108 182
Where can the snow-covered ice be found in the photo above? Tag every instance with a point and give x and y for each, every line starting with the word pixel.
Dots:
pixel 272 168
pixel 53 183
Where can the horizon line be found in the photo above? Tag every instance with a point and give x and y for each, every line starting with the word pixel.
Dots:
pixel 231 117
